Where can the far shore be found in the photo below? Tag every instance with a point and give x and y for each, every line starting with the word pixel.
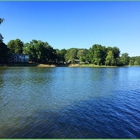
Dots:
pixel 26 65
pixel 54 65
pixel 91 65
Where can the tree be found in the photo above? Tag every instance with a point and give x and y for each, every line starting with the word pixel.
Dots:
pixel 60 55
pixel 1 37
pixel 1 20
pixel 71 54
pixel 135 63
pixel 125 58
pixel 25 48
pixel 4 52
pixel 131 62
pixel 138 60
pixel 97 54
pixel 15 46
pixel 82 54
pixel 110 59
pixel 39 51
pixel 93 53
pixel 116 52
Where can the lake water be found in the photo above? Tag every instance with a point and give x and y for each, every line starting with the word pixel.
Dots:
pixel 70 102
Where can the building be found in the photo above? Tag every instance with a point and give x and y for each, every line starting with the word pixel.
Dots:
pixel 21 58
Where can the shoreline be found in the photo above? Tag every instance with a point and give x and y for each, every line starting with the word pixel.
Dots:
pixel 40 65
pixel 53 65
pixel 91 66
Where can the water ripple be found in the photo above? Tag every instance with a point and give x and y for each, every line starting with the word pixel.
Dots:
pixel 69 103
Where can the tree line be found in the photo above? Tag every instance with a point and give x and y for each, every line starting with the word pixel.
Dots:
pixel 43 52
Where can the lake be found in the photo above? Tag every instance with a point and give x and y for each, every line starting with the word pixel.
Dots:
pixel 68 102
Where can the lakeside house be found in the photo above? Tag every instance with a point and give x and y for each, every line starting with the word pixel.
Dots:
pixel 77 61
pixel 20 58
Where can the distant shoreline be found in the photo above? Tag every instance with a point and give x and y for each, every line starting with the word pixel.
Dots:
pixel 26 65
pixel 91 65
pixel 53 65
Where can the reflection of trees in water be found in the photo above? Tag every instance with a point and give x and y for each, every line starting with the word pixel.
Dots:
pixel 102 74
pixel 2 82
pixel 2 75
pixel 22 76
pixel 20 88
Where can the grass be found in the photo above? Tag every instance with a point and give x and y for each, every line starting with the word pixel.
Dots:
pixel 91 65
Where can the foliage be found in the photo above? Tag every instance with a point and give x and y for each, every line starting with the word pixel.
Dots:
pixel 4 52
pixel 39 51
pixel 71 55
pixel 61 55
pixel 1 20
pixel 82 55
pixel 125 58
pixel 134 60
pixel 110 59
pixel 1 37
pixel 15 46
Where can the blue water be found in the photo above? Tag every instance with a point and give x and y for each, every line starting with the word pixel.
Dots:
pixel 70 102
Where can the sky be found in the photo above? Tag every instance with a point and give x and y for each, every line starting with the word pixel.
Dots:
pixel 74 24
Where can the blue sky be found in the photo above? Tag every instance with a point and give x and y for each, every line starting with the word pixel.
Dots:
pixel 74 24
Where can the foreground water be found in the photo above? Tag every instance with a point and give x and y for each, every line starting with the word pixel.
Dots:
pixel 70 102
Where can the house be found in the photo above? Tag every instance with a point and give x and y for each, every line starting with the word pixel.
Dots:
pixel 76 61
pixel 21 58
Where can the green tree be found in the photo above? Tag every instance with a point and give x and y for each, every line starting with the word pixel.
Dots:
pixel 60 55
pixel 82 54
pixel 116 52
pixel 110 59
pixel 25 48
pixel 135 63
pixel 131 62
pixel 71 55
pixel 4 52
pixel 125 58
pixel 138 60
pixel 1 20
pixel 97 54
pixel 92 53
pixel 1 37
pixel 15 46
pixel 39 51
pixel 134 60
